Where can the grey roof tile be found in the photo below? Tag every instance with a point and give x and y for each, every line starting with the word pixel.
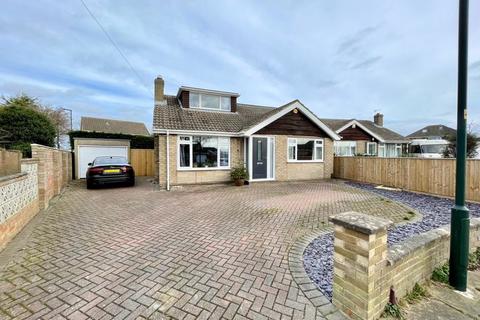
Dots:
pixel 437 130
pixel 113 126
pixel 384 133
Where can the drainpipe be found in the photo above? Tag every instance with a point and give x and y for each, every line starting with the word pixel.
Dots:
pixel 168 160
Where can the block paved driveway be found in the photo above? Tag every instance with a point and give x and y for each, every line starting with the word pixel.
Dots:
pixel 200 252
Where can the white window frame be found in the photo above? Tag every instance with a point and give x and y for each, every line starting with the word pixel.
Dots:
pixel 200 95
pixel 351 143
pixel 382 154
pixel 368 149
pixel 398 149
pixel 190 142
pixel 293 141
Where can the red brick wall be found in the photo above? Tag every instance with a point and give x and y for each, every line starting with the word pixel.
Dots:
pixel 54 171
pixel 9 162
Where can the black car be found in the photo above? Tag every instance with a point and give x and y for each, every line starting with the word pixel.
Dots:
pixel 110 170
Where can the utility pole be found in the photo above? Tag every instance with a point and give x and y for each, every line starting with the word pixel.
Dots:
pixel 460 224
pixel 71 117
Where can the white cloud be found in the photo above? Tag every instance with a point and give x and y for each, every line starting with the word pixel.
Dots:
pixel 341 58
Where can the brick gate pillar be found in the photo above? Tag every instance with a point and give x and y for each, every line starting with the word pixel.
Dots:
pixel 359 261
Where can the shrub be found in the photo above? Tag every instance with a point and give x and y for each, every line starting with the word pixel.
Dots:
pixel 24 126
pixel 392 310
pixel 239 173
pixel 474 260
pixel 440 274
pixel 418 292
pixel 24 147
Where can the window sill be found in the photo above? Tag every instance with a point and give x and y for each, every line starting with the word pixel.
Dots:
pixel 203 169
pixel 305 161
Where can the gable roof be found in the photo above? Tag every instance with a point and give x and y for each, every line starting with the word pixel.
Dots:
pixel 90 124
pixel 382 134
pixel 247 120
pixel 437 130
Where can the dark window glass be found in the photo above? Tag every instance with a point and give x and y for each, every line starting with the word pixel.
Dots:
pixel 109 160
pixel 184 155
pixel 415 149
pixel 204 152
pixel 305 149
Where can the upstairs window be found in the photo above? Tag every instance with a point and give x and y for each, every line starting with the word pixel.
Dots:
pixel 209 102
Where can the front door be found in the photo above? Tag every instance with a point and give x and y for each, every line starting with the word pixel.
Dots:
pixel 259 158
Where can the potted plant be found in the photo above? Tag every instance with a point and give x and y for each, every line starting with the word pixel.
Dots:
pixel 239 175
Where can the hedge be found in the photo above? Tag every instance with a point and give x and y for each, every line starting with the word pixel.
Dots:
pixel 136 142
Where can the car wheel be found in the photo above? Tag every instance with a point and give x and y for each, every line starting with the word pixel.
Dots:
pixel 89 184
pixel 131 183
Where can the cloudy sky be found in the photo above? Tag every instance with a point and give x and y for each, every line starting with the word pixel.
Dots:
pixel 343 59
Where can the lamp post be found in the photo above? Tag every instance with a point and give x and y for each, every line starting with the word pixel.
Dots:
pixel 460 224
pixel 71 117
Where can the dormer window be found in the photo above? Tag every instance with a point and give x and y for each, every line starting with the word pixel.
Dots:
pixel 209 101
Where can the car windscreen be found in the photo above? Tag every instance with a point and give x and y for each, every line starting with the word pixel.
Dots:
pixel 99 161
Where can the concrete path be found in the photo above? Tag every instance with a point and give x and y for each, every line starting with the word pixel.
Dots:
pixel 446 303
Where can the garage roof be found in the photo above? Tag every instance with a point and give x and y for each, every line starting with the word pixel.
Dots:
pixel 113 126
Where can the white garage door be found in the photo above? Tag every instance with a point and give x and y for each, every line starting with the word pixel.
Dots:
pixel 87 154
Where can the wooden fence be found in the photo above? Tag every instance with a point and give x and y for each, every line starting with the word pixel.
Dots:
pixel 435 176
pixel 142 161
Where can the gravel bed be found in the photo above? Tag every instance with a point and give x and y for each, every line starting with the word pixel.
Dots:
pixel 318 256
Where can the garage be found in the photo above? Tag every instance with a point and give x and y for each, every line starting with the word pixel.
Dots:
pixel 86 150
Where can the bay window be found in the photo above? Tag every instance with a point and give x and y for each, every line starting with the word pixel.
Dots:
pixel 301 149
pixel 203 152
pixel 209 101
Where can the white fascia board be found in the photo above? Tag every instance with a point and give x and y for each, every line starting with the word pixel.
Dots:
pixel 293 105
pixel 207 91
pixel 193 132
pixel 355 122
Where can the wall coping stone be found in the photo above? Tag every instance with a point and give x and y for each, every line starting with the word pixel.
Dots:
pixel 402 249
pixel 361 222
pixel 12 178
pixel 51 148
pixel 30 160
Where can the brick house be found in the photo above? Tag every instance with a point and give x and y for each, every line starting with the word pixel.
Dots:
pixel 200 135
pixel 365 137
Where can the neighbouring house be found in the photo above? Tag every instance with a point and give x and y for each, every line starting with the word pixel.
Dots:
pixel 365 137
pixel 430 141
pixel 201 134
pixel 433 132
pixel 103 137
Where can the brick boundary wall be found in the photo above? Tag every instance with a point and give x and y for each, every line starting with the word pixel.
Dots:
pixel 10 162
pixel 54 172
pixel 18 200
pixel 365 268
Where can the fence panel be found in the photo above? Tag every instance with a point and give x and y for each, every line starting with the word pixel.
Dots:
pixel 435 176
pixel 142 161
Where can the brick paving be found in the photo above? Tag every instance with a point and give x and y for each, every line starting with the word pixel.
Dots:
pixel 203 252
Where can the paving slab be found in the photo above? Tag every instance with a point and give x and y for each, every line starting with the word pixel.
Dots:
pixel 198 252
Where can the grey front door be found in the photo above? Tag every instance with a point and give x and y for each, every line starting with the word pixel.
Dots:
pixel 259 158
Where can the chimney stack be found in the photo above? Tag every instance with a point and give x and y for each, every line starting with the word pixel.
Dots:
pixel 378 119
pixel 159 91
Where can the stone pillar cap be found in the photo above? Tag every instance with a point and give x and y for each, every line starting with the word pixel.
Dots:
pixel 361 222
